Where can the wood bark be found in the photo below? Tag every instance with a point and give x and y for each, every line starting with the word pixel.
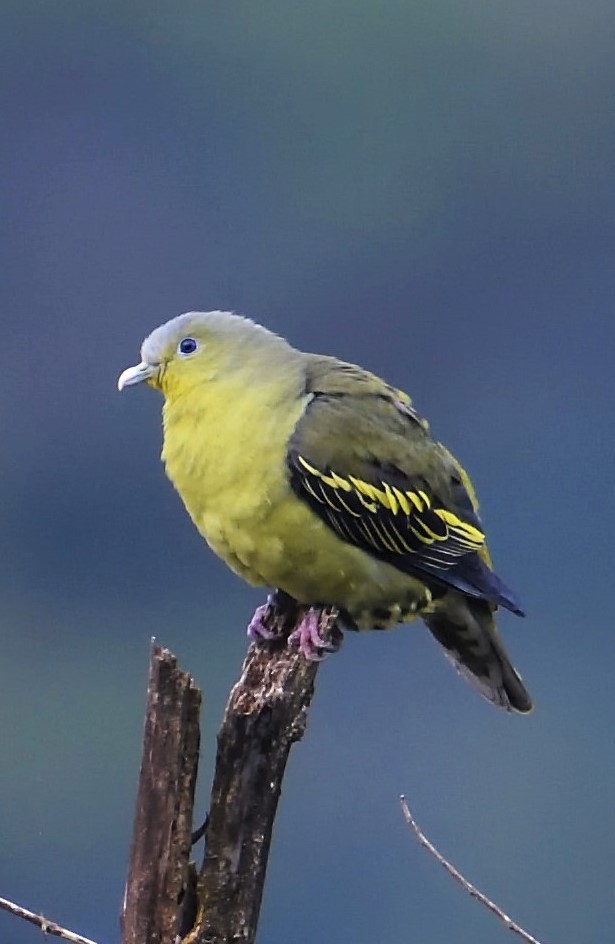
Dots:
pixel 167 899
pixel 266 713
pixel 159 875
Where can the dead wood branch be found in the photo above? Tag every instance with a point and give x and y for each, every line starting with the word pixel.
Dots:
pixel 456 874
pixel 266 713
pixel 166 898
pixel 158 874
pixel 46 926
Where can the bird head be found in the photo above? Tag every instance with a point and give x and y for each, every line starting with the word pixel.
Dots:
pixel 197 347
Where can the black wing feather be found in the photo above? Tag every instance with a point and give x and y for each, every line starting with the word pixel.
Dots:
pixel 406 527
pixel 401 522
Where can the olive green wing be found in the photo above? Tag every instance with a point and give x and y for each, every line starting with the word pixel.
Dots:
pixel 363 460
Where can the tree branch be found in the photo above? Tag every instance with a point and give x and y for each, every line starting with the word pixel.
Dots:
pixel 46 926
pixel 159 875
pixel 266 713
pixel 166 900
pixel 456 874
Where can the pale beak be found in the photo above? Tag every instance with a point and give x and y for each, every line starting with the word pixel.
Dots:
pixel 136 374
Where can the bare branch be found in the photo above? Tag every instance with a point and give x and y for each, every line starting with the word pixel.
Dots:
pixel 159 875
pixel 266 713
pixel 166 898
pixel 456 874
pixel 46 926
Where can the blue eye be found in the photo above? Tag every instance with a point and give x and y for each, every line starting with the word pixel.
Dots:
pixel 187 346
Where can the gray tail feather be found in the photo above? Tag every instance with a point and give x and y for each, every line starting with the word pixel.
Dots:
pixel 466 629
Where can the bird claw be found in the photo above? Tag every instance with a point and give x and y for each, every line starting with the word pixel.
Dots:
pixel 264 626
pixel 308 638
pixel 274 619
pixel 316 635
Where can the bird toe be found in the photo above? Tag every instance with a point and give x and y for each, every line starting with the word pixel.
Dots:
pixel 317 634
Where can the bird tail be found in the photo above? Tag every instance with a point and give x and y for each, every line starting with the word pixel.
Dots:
pixel 466 629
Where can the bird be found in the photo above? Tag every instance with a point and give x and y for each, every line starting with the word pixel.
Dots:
pixel 317 479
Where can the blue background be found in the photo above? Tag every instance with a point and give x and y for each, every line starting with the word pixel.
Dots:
pixel 424 188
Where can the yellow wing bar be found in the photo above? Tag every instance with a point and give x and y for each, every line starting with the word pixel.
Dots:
pixel 384 517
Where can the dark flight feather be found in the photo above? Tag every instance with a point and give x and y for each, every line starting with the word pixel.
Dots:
pixel 367 466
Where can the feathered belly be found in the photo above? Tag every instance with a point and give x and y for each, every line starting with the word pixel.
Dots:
pixel 249 516
pixel 287 547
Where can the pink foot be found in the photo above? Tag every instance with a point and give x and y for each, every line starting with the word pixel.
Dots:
pixel 264 627
pixel 307 636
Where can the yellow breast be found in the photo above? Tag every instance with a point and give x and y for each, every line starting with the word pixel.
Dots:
pixel 225 453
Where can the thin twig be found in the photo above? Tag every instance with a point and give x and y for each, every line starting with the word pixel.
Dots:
pixel 46 926
pixel 456 874
pixel 198 834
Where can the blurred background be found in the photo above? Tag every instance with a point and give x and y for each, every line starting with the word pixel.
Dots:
pixel 424 188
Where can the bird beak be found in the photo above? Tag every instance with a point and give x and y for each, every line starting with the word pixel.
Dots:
pixel 136 374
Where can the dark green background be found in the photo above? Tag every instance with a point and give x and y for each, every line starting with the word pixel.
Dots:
pixel 428 189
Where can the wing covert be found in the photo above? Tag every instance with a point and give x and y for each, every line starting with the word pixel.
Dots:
pixel 365 463
pixel 395 520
